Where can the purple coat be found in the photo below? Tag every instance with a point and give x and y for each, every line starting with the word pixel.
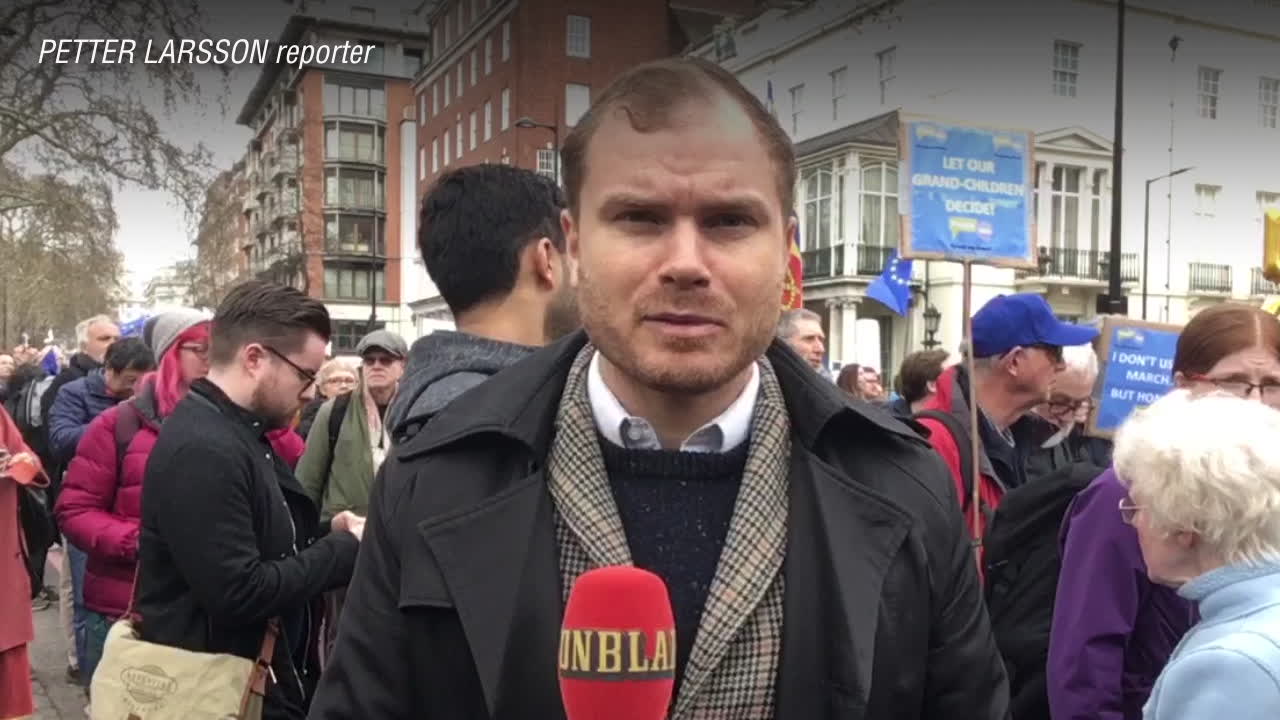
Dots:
pixel 1113 629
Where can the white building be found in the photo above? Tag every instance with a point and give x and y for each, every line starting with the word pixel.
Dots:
pixel 839 69
pixel 168 288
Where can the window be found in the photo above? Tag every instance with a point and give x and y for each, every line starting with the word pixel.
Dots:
pixel 351 98
pixel 1095 210
pixel 422 163
pixel 577 100
pixel 351 282
pixel 1269 102
pixel 880 204
pixel 375 57
pixel 437 38
pixel 837 91
pixel 435 155
pixel 488 120
pixel 475 10
pixel 475 66
pixel 475 129
pixel 1065 206
pixel 448 27
pixel 578 40
pixel 797 108
pixel 547 162
pixel 446 148
pixel 354 142
pixel 422 109
pixel 446 89
pixel 1209 84
pixel 347 333
pixel 461 83
pixel 886 59
pixel 412 61
pixel 1267 201
pixel 506 41
pixel 1207 200
pixel 506 108
pixel 819 196
pixel 488 55
pixel 346 234
pixel 350 188
pixel 1066 68
pixel 435 98
pixel 457 140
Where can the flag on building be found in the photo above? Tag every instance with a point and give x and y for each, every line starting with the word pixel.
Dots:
pixel 793 290
pixel 893 287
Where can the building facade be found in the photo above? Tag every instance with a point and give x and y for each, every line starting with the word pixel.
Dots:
pixel 326 170
pixel 1202 91
pixel 508 80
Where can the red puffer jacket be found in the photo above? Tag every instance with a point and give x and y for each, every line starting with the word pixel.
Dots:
pixel 100 505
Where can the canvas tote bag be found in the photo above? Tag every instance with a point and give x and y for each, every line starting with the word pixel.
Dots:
pixel 139 680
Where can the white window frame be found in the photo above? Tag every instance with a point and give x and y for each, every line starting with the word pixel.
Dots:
pixel 1060 197
pixel 447 79
pixel 475 129
pixel 488 55
pixel 458 140
pixel 577 42
pixel 546 163
pixel 506 41
pixel 422 109
pixel 488 120
pixel 435 97
pixel 422 163
pixel 461 80
pixel 886 200
pixel 506 108
pixel 1064 75
pixel 1208 91
pixel 435 155
pixel 839 87
pixel 475 66
pixel 886 64
pixel 446 148
pixel 797 107
pixel 1207 199
pixel 1269 102
pixel 570 89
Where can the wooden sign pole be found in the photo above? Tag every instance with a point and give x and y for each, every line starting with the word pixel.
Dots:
pixel 974 434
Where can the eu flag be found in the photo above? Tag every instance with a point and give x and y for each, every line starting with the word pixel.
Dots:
pixel 893 287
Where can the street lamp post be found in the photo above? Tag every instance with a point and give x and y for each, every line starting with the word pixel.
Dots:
pixel 932 319
pixel 1146 233
pixel 529 123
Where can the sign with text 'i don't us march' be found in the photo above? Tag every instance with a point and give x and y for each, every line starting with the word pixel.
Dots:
pixel 966 193
pixel 1136 368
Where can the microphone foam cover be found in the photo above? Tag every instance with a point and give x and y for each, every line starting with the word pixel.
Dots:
pixel 617 646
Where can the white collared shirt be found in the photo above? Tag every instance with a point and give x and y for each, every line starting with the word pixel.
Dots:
pixel 724 433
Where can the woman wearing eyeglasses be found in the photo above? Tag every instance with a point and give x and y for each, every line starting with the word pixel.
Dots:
pixel 1203 477
pixel 1113 628
pixel 335 378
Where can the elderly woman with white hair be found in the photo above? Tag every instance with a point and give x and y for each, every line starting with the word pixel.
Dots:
pixel 1203 480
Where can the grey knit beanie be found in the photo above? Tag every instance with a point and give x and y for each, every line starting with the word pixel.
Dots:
pixel 169 325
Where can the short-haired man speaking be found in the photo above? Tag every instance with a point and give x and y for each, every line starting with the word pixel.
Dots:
pixel 816 563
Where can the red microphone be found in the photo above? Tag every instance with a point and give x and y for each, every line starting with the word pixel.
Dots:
pixel 617 646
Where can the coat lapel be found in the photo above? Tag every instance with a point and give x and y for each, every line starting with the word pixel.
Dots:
pixel 498 563
pixel 843 539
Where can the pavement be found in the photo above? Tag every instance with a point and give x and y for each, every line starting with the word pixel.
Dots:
pixel 56 699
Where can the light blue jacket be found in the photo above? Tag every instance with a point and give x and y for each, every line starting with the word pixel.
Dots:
pixel 1228 665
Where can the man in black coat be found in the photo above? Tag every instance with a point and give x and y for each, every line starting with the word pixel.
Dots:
pixel 229 539
pixel 815 561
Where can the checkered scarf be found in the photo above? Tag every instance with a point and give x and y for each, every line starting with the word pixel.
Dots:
pixel 733 665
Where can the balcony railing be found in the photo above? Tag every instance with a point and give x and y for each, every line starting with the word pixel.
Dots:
pixel 287 207
pixel 1085 264
pixel 263 258
pixel 1259 285
pixel 287 164
pixel 1209 277
pixel 865 260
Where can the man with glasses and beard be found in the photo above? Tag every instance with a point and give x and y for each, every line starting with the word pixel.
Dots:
pixel 230 540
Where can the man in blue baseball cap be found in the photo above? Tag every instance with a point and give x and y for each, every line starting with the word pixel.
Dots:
pixel 1017 351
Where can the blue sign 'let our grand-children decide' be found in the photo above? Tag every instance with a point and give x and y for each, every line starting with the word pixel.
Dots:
pixel 968 194
pixel 1137 366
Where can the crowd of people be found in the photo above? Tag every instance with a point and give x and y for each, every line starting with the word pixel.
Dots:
pixel 396 535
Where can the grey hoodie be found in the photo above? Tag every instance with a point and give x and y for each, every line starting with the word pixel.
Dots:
pixel 442 366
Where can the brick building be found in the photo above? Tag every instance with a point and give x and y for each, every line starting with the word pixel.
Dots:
pixel 327 169
pixel 497 62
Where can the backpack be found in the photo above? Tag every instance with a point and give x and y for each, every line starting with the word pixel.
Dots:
pixel 1023 560
pixel 964 443
pixel 28 406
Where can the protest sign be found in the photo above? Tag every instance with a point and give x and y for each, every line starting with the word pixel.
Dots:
pixel 1136 368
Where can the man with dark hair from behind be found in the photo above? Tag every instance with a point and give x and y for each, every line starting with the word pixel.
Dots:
pixel 230 543
pixel 491 240
pixel 917 381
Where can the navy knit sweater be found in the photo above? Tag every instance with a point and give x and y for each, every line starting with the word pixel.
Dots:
pixel 676 508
